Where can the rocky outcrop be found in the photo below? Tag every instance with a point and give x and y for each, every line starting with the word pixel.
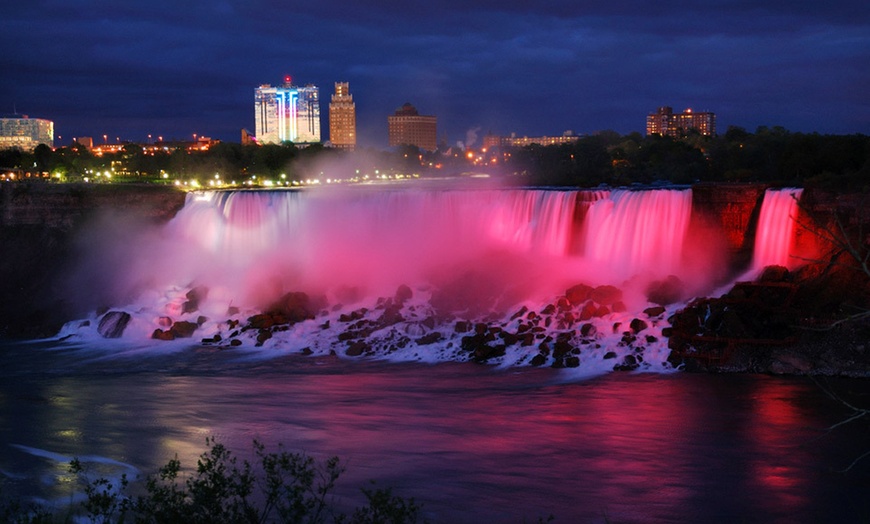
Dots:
pixel 801 322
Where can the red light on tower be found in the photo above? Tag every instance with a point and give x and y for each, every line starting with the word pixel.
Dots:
pixel 287 79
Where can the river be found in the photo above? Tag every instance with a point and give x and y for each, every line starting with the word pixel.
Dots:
pixel 472 443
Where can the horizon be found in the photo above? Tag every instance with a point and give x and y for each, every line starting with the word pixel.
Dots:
pixel 129 71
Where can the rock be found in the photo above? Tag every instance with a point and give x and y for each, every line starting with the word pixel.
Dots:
pixel 637 325
pixel 261 321
pixel 113 323
pixel 538 360
pixel 609 355
pixel 183 329
pixel 164 322
pixel 606 295
pixel 578 294
pixel 462 326
pixel 572 361
pixel 588 330
pixel 403 293
pixel 159 334
pixel 357 348
pixel 667 291
pixel 263 336
pixel 232 311
pixel 295 306
pixel 235 342
pixel 774 274
pixel 194 297
pixel 629 363
pixel 429 338
pixel 654 311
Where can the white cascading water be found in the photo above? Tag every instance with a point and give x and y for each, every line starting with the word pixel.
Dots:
pixel 776 227
pixel 498 257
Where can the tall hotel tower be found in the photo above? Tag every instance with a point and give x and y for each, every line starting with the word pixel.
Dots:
pixel 342 118
pixel 287 114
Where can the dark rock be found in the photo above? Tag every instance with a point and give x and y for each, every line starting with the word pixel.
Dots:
pixel 183 329
pixel 113 324
pixel 774 274
pixel 462 326
pixel 403 293
pixel 194 297
pixel 606 295
pixel 429 338
pixel 667 291
pixel 263 336
pixel 235 342
pixel 609 355
pixel 637 325
pixel 578 294
pixel 159 334
pixel 629 363
pixel 560 349
pixel 295 306
pixel 522 311
pixel 538 360
pixel 572 361
pixel 549 309
pixel 654 311
pixel 261 321
pixel 357 348
pixel 588 330
pixel 164 322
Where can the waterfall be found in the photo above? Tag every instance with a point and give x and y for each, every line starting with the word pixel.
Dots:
pixel 775 231
pixel 639 231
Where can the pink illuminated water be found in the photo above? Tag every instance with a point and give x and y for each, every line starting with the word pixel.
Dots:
pixel 776 224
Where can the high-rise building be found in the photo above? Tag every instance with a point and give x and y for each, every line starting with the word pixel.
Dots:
pixel 342 118
pixel 25 133
pixel 667 123
pixel 287 114
pixel 407 126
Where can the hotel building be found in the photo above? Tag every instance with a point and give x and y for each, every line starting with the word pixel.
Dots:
pixel 287 114
pixel 667 123
pixel 25 133
pixel 342 118
pixel 407 126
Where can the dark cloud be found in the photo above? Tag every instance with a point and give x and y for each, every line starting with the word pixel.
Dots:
pixel 171 68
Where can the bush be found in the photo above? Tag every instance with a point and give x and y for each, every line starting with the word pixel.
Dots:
pixel 281 486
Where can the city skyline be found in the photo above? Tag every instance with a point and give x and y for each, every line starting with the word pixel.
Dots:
pixel 129 71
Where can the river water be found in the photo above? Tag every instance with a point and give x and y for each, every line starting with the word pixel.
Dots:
pixel 472 443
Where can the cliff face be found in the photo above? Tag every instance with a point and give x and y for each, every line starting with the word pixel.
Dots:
pixel 39 225
pixel 66 206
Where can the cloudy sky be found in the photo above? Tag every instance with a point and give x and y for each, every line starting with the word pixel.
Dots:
pixel 177 67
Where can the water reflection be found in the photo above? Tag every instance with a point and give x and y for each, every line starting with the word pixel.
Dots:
pixel 472 443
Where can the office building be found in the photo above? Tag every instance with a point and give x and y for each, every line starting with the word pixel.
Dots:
pixel 667 123
pixel 287 114
pixel 408 127
pixel 342 118
pixel 25 133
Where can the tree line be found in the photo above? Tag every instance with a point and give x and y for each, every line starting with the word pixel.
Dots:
pixel 774 155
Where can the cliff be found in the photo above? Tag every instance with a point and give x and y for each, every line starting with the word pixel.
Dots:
pixel 39 227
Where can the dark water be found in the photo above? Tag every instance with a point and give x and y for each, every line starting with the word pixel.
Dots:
pixel 472 443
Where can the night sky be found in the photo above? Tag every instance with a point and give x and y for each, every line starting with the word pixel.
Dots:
pixel 172 68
